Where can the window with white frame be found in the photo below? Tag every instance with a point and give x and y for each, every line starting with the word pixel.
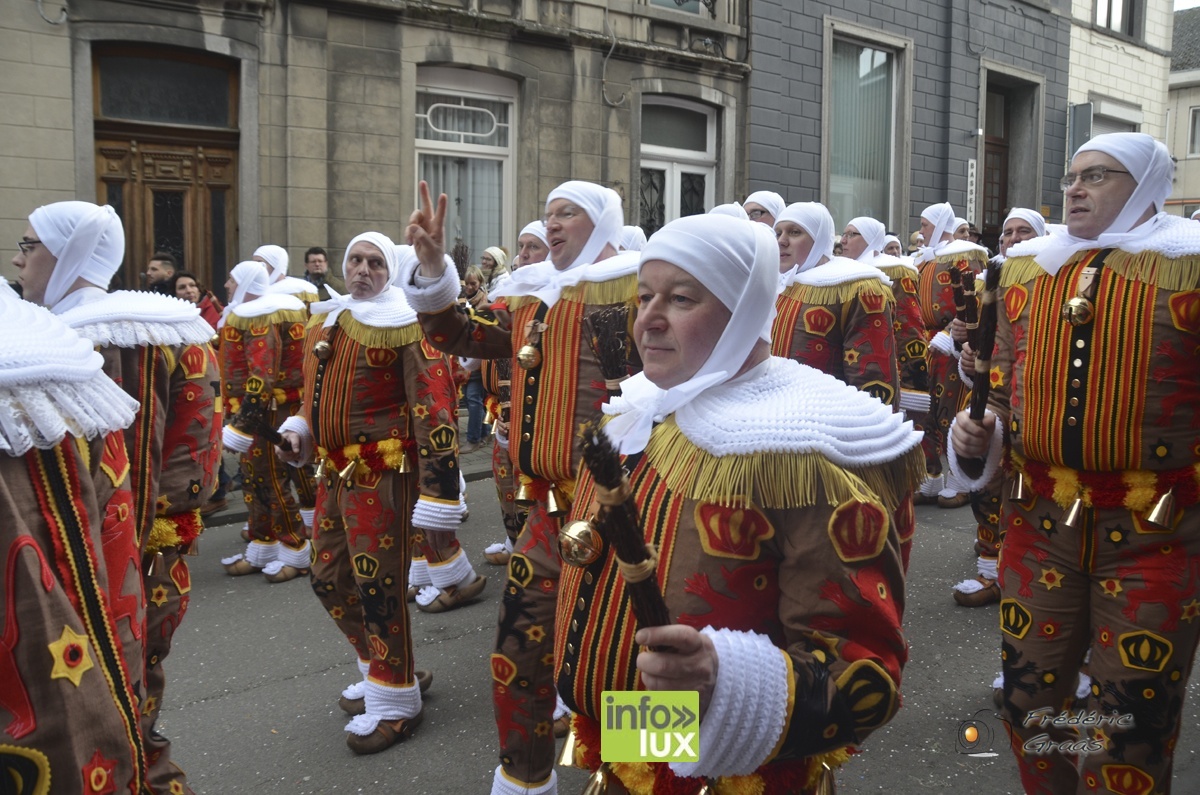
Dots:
pixel 465 144
pixel 1194 133
pixel 679 158
pixel 1119 15
pixel 862 131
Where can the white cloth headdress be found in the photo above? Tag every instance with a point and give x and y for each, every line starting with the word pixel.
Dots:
pixel 537 229
pixel 339 303
pixel 889 239
pixel 873 234
pixel 1031 217
pixel 769 200
pixel 632 238
pixel 544 280
pixel 252 279
pixel 733 210
pixel 814 218
pixel 943 220
pixel 87 240
pixel 1148 162
pixel 52 382
pixel 1196 215
pixel 738 263
pixel 276 258
pixel 960 221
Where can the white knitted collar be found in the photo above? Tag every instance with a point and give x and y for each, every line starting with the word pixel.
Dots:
pixel 782 406
pixel 838 270
pixel 389 309
pixel 268 304
pixel 290 285
pixel 129 319
pixel 546 283
pixel 888 261
pixel 1170 235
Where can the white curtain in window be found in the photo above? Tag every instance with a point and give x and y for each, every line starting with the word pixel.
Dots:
pixel 474 192
pixel 861 132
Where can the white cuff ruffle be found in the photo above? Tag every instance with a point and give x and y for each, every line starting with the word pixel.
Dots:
pixel 456 571
pixel 429 297
pixel 943 343
pixel 236 440
pixel 418 573
pixel 503 785
pixel 914 402
pixel 749 705
pixel 991 464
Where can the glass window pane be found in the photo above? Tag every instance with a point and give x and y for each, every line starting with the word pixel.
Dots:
pixel 168 224
pixel 863 108
pixel 448 117
pixel 653 200
pixel 691 194
pixel 474 189
pixel 163 91
pixel 1194 133
pixel 216 281
pixel 678 128
pixel 995 123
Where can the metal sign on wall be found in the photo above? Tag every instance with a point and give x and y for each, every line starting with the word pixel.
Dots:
pixel 971 190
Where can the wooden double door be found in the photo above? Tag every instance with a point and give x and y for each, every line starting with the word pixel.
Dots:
pixel 172 195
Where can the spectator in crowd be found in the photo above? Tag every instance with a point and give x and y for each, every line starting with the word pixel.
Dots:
pixel 316 271
pixel 185 285
pixel 159 272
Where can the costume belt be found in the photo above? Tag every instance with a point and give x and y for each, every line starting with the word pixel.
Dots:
pixel 381 456
pixel 1135 490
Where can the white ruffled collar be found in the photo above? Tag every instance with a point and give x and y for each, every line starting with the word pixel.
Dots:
pixel 1170 235
pixel 268 304
pixel 130 319
pixel 545 282
pixel 389 309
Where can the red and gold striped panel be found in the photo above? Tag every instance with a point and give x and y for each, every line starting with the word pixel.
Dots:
pixel 787 310
pixel 606 653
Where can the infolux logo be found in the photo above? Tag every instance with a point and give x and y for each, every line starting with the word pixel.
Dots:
pixel 660 726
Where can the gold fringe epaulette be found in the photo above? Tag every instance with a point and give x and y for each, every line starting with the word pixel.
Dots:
pixel 280 316
pixel 839 293
pixel 976 256
pixel 1148 267
pixel 777 480
pixel 614 291
pixel 375 337
pixel 896 272
pixel 316 320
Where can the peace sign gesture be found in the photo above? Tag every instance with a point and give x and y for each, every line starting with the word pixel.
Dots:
pixel 425 233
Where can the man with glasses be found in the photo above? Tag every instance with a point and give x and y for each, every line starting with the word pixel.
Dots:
pixel 1095 403
pixel 157 348
pixel 556 385
pixel 764 206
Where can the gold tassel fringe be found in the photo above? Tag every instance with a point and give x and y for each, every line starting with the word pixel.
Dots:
pixel 1148 267
pixel 776 480
pixel 281 316
pixel 614 291
pixel 373 337
pixel 839 293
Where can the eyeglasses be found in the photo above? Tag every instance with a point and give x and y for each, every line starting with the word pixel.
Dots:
pixel 568 213
pixel 26 246
pixel 756 214
pixel 851 235
pixel 1089 176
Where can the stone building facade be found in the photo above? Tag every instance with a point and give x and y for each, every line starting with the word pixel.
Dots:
pixel 1183 112
pixel 223 125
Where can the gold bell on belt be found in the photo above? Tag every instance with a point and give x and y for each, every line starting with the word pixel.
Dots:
pixel 557 503
pixel 322 350
pixel 579 544
pixel 529 357
pixel 1078 311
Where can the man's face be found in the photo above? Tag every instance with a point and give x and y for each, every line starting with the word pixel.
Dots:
pixel 158 272
pixel 853 243
pixel 678 324
pixel 530 248
pixel 927 231
pixel 316 264
pixel 34 268
pixel 1015 230
pixel 794 244
pixel 230 287
pixel 962 233
pixel 759 213
pixel 567 230
pixel 893 248
pixel 366 271
pixel 1091 209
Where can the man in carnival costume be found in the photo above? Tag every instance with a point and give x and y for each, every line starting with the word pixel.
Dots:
pixel 379 413
pixel 556 385
pixel 157 348
pixel 72 713
pixel 789 627
pixel 1095 401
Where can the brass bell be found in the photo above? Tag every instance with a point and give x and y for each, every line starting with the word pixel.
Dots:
pixel 1018 492
pixel 524 495
pixel 1070 519
pixel 827 785
pixel 598 783
pixel 319 474
pixel 566 758
pixel 1163 513
pixel 1078 311
pixel 155 564
pixel 579 544
pixel 404 467
pixel 348 472
pixel 529 357
pixel 323 350
pixel 192 549
pixel 557 503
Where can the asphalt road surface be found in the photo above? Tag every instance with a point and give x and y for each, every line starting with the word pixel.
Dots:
pixel 256 671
